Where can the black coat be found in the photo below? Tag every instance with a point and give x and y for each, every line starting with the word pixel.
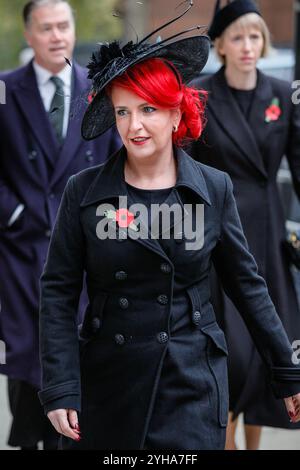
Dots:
pixel 136 288
pixel 251 150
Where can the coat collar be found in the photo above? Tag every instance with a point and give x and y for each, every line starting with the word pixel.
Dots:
pixel 263 87
pixel 43 75
pixel 228 114
pixel 110 181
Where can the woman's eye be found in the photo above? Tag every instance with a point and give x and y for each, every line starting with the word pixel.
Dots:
pixel 121 112
pixel 148 109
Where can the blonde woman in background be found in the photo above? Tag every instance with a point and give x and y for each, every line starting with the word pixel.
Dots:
pixel 251 124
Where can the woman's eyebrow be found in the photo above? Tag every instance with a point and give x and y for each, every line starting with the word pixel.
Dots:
pixel 140 106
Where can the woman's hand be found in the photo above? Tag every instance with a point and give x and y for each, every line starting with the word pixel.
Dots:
pixel 65 422
pixel 293 407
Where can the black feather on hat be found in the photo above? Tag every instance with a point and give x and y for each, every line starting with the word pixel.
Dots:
pixel 188 54
pixel 223 17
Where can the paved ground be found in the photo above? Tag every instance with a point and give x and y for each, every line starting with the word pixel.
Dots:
pixel 4 414
pixel 276 439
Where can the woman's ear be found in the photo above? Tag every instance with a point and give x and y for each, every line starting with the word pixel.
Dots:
pixel 177 116
pixel 218 45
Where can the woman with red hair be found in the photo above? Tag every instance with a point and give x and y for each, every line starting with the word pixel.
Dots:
pixel 155 82
pixel 149 369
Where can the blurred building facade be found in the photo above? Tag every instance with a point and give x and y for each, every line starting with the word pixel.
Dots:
pixel 279 15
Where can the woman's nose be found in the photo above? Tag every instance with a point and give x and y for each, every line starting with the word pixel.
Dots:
pixel 247 44
pixel 135 122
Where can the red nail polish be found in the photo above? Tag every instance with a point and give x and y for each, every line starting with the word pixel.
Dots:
pixel 77 427
pixel 291 414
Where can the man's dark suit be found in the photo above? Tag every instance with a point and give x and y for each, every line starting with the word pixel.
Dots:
pixel 33 171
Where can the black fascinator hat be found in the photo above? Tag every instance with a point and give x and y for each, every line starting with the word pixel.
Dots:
pixel 223 17
pixel 188 54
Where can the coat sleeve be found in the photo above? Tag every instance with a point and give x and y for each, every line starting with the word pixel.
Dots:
pixel 237 270
pixel 293 147
pixel 61 285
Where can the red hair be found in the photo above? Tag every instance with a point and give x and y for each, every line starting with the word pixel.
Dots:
pixel 158 82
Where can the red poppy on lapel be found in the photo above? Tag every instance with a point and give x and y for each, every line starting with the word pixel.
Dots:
pixel 123 217
pixel 91 96
pixel 273 111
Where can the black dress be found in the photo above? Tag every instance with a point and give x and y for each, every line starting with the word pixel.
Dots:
pixel 175 393
pixel 244 99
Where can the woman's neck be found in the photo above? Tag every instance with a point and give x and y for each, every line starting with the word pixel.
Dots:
pixel 151 172
pixel 241 80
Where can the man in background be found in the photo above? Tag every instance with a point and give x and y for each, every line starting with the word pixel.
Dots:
pixel 40 148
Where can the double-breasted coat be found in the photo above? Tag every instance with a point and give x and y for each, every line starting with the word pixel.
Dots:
pixel 150 304
pixel 250 151
pixel 33 172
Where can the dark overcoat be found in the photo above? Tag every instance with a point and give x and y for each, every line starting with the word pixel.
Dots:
pixel 34 171
pixel 251 152
pixel 138 287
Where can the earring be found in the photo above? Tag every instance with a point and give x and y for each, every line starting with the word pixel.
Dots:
pixel 175 128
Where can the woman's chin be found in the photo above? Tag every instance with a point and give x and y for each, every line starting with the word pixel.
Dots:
pixel 142 151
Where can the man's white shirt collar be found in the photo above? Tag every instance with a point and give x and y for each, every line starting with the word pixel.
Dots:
pixel 43 75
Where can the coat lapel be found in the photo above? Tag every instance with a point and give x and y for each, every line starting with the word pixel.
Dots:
pixel 110 184
pixel 229 116
pixel 263 98
pixel 27 95
pixel 73 138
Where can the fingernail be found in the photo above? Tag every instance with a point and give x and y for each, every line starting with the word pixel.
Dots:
pixel 77 427
pixel 291 414
pixel 78 438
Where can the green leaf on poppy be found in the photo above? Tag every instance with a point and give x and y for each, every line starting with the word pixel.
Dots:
pixel 110 214
pixel 275 101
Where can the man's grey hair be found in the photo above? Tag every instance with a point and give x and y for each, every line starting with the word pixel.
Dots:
pixel 33 4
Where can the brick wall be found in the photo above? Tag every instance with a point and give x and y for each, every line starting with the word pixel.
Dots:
pixel 277 13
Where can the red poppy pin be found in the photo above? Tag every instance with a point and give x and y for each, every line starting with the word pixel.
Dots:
pixel 91 96
pixel 273 111
pixel 123 217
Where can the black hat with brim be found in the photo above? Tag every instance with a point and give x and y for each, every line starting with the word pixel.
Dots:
pixel 225 16
pixel 189 55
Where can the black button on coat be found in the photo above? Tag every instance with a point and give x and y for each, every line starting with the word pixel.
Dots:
pixel 116 385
